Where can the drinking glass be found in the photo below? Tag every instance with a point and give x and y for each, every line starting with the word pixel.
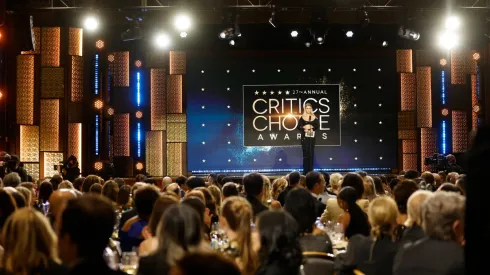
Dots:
pixel 129 262
pixel 338 233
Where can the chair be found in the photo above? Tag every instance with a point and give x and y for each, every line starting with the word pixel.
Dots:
pixel 317 263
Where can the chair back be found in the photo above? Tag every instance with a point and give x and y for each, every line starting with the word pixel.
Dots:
pixel 317 263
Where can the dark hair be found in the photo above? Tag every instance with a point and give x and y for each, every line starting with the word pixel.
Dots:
pixel 402 192
pixel 428 178
pixel 7 206
pixel 230 189
pixel 78 183
pixel 383 179
pixel 110 190
pixel 96 188
pixel 151 181
pixel 144 199
pixel 210 201
pixel 197 204
pixel 362 174
pixel 355 181
pixel 461 182
pixel 411 174
pixel 254 184
pixel 88 182
pixel 214 177
pixel 20 200
pixel 349 195
pixel 301 205
pixel 312 178
pixel 180 180
pixel 226 179
pixel 120 182
pixel 123 195
pixel 294 178
pixel 326 177
pixel 55 181
pixel 194 182
pixel 140 178
pixel 449 187
pixel 162 204
pixel 279 243
pixel 89 221
pixel 378 185
pixel 220 179
pixel 393 183
pixel 45 191
pixel 206 264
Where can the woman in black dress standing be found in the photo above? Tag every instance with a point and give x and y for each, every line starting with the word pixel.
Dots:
pixel 308 123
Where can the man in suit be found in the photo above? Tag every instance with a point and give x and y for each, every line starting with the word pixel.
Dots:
pixel 315 183
pixel 254 187
pixel 293 181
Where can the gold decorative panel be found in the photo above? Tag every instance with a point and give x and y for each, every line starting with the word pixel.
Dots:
pixel 76 78
pixel 406 125
pixel 424 97
pixel 408 87
pixel 50 47
pixel 121 135
pixel 50 159
pixel 25 89
pixel 174 94
pixel 50 123
pixel 176 159
pixel 428 145
pixel 158 99
pixel 29 143
pixel 120 70
pixel 32 170
pixel 37 42
pixel 176 128
pixel 459 131
pixel 409 146
pixel 471 62
pixel 75 142
pixel 458 67
pixel 177 62
pixel 409 162
pixel 474 102
pixel 404 61
pixel 155 144
pixel 52 83
pixel 75 41
pixel 157 59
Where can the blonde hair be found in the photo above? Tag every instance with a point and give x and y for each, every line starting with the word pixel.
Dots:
pixel 216 192
pixel 29 242
pixel 336 180
pixel 267 190
pixel 369 192
pixel 414 207
pixel 304 111
pixel 66 184
pixel 278 185
pixel 382 215
pixel 238 214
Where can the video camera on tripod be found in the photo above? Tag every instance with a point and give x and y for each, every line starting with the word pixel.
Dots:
pixel 438 162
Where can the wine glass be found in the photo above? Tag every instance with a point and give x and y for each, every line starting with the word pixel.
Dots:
pixel 129 262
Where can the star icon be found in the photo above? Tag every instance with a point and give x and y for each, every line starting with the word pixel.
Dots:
pixel 280 159
pixel 229 142
pixel 228 106
pixel 229 124
pixel 272 92
pixel 280 92
pixel 256 92
pixel 264 92
pixel 287 92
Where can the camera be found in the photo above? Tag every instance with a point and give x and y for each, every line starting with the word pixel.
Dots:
pixel 438 162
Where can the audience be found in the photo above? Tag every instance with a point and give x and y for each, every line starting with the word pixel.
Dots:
pixel 194 182
pixel 401 193
pixel 123 198
pixel 316 185
pixel 88 182
pixel 230 189
pixel 96 189
pixel 254 189
pixel 354 220
pixel 204 264
pixel 414 231
pixel 293 182
pixel 110 191
pixel 11 180
pixel 449 187
pixel 55 181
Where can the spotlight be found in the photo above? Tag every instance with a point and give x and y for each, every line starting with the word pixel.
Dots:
pixel 320 40
pixel 98 165
pixel 99 44
pixel 349 34
pixel 91 23
pixel 307 44
pixel 408 33
pixel 443 62
pixel 139 166
pixel 452 23
pixel 232 43
pixel 448 40
pixel 294 34
pixel 183 34
pixel 384 44
pixel 162 40
pixel 476 56
pixel 1 94
pixel 182 22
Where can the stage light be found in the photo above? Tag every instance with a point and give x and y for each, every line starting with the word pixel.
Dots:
pixel 355 105
pixel 139 166
pixel 227 71
pixel 232 42
pixel 229 124
pixel 162 40
pixel 110 111
pixel 307 44
pixel 331 158
pixel 278 70
pixel 443 62
pixel 99 44
pixel 379 69
pixel 203 160
pixel 476 56
pixel 380 105
pixel 229 160
pixel 380 158
pixel 110 58
pixel 355 122
pixel 329 69
pixel 381 122
pixel 408 34
pixel 98 165
pixel 202 71
pixel 138 63
pixel 304 70
pixel 355 158
pixel 349 34
pixel 354 69
pixel 182 22
pixel 253 71
pixel 91 23
pixel 379 87
pixel 380 140
pixel 384 44
pixel 294 34
pixel 228 106
pixel 320 40
pixel 183 34
pixel 139 114
pixel 355 140
pixel 229 142
pixel 228 88
pixel 355 87
pixel 445 112
pixel 98 104
pixel 452 23
pixel 448 40
pixel 255 160
pixel 203 107
pixel 203 125
pixel 280 159
pixel 202 89
pixel 204 143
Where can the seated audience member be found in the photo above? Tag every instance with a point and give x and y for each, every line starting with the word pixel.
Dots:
pixel 278 185
pixel 131 232
pixel 452 177
pixel 212 179
pixel 181 180
pixel 162 204
pixel 197 204
pixel 7 206
pixel 369 192
pixel 316 185
pixel 166 181
pixel 194 182
pixel 354 220
pixel 441 251
pixel 205 264
pixel 173 188
pixel 210 204
pixel 55 181
pixel 280 251
pixel 411 175
pixel 27 195
pixel 128 214
pixel 267 195
pixel 327 193
pixel 96 189
pixel 378 186
pixel 88 182
pixel 393 183
pixel 230 189
pixel 335 181
pixel 123 198
pixel 414 231
pixel 20 200
pixel 235 218
pixel 78 183
pixel 302 181
pixel 374 254
pixel 65 185
pixel 45 191
pixel 401 193
pixel 110 190
pixel 301 205
pixel 443 177
pixel 449 187
pixel 461 183
pixel 216 192
pixel 293 182
pixel 254 187
pixel 140 178
pixel 180 231
pixel 437 181
pixel 120 182
pixel 30 245
pixel 57 203
pixel 11 180
pixel 84 231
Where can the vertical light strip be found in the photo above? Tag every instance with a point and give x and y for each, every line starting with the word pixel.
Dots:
pixel 109 138
pixel 443 87
pixel 139 139
pixel 138 89
pixel 443 137
pixel 96 135
pixel 478 95
pixel 96 75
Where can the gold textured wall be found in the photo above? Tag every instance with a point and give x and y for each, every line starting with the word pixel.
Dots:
pixel 121 135
pixel 406 125
pixel 409 162
pixel 50 123
pixel 177 62
pixel 458 67
pixel 176 128
pixel 29 143
pixel 50 159
pixel 32 170
pixel 52 83
pixel 474 102
pixel 404 61
pixel 50 47
pixel 459 131
pixel 75 142
pixel 75 41
pixel 25 89
pixel 424 97
pixel 471 62
pixel 155 150
pixel 428 145
pixel 158 96
pixel 37 44
pixel 174 94
pixel 120 71
pixel 76 78
pixel 176 159
pixel 408 87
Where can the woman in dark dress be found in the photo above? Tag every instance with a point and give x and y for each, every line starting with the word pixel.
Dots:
pixel 308 123
pixel 354 220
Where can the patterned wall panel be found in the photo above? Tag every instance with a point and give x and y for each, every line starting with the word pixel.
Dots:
pixel 155 144
pixel 29 143
pixel 32 169
pixel 75 141
pixel 474 102
pixel 458 67
pixel 158 99
pixel 76 78
pixel 409 147
pixel 428 145
pixel 52 83
pixel 406 125
pixel 459 131
pixel 50 123
pixel 409 162
pixel 424 57
pixel 121 135
pixel 404 61
pixel 37 43
pixel 176 128
pixel 120 70
pixel 75 41
pixel 176 159
pixel 174 94
pixel 25 89
pixel 156 59
pixel 471 62
pixel 50 47
pixel 177 62
pixel 50 159
pixel 408 87
pixel 424 97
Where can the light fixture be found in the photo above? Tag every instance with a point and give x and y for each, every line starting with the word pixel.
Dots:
pixel 349 34
pixel 448 40
pixel 381 122
pixel 331 158
pixel 162 40
pixel 91 23
pixel 476 108
pixel 183 34
pixel 320 40
pixel 202 89
pixel 99 44
pixel 253 71
pixel 228 88
pixel 408 33
pixel 443 62
pixel 138 63
pixel 202 71
pixel 139 114
pixel 110 58
pixel 278 70
pixel 98 165
pixel 182 22
pixel 452 23
pixel 380 140
pixel 139 166
pixel 476 56
pixel 98 104
pixel 380 105
pixel 304 70
pixel 110 111
pixel 384 44
pixel 294 34
pixel 379 87
pixel 203 160
pixel 354 69
pixel 204 143
pixel 203 125
pixel 229 160
pixel 203 107
pixel 445 112
pixel 379 69
pixel 380 158
pixel 355 122
pixel 355 158
pixel 232 43
pixel 229 142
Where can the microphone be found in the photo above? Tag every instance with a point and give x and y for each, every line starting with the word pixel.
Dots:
pixel 309 118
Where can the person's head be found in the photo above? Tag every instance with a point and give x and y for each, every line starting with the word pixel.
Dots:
pixel 278 185
pixel 294 178
pixel 45 191
pixel 7 206
pixel 443 216
pixel 315 183
pixel 88 182
pixel 301 205
pixel 212 179
pixel 20 200
pixel 355 181
pixel 123 195
pixel 195 182
pixel 58 200
pixel 414 207
pixel 209 200
pixel 452 177
pixel 378 186
pixel 449 187
pixel 267 190
pixel 173 188
pixel 216 192
pixel 443 176
pixel 11 179
pixel 382 215
pixel 335 179
pixel 230 189
pixel 162 204
pixel 362 174
pixel 110 190
pixel 26 193
pixel 205 264
pixel 402 192
pixel 29 242
pixel 140 178
pixel 451 159
pixel 120 182
pixel 347 198
pixel 198 205
pixel 66 184
pixel 308 109
pixel 437 179
pixel 55 181
pixel 96 188
pixel 181 182
pixel 180 231
pixel 302 181
pixel 144 200
pixel 136 187
pixel 411 175
pixel 394 182
pixel 428 177
pixel 78 183
pixel 461 183
pixel 254 185
pixel 196 193
pixel 369 192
